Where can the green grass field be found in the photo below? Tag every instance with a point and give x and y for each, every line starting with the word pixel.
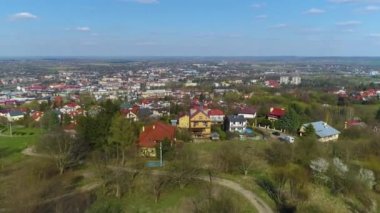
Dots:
pixel 11 147
pixel 172 200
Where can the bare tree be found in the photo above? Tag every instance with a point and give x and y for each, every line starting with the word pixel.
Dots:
pixel 159 184
pixel 62 147
pixel 185 167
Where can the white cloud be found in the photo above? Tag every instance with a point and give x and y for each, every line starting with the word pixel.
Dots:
pixel 23 16
pixel 261 17
pixel 279 26
pixel 348 31
pixel 314 11
pixel 311 30
pixel 374 35
pixel 83 29
pixel 348 23
pixel 371 8
pixel 258 5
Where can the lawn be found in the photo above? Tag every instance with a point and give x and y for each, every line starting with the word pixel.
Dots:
pixel 11 147
pixel 172 200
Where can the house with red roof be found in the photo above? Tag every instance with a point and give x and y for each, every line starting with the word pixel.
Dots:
pixel 216 116
pixel 131 113
pixel 276 113
pixel 272 84
pixel 354 123
pixel 152 135
pixel 72 109
pixel 36 115
pixel 247 112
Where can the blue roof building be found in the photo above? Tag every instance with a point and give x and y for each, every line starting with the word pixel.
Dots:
pixel 324 131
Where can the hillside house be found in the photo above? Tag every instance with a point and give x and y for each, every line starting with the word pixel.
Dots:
pixel 152 135
pixel 324 132
pixel 235 123
pixel 200 123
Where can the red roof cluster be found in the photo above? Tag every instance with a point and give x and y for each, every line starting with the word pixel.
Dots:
pixel 72 105
pixel 215 112
pixel 272 83
pixel 155 133
pixel 277 112
pixel 134 110
pixel 247 110
pixel 36 88
pixel 36 115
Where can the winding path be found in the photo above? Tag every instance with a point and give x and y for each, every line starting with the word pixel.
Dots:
pixel 253 198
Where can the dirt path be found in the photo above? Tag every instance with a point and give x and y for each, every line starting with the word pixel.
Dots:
pixel 253 198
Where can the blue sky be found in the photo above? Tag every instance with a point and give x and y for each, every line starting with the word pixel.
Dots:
pixel 189 28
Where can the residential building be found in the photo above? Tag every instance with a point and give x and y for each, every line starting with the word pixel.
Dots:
pixel 276 113
pixel 216 116
pixel 184 122
pixel 247 112
pixel 296 80
pixel 131 113
pixel 200 123
pixel 324 132
pixel 284 80
pixel 235 123
pixel 152 135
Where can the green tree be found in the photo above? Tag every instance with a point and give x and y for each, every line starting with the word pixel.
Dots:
pixel 50 121
pixel 378 115
pixel 86 100
pixel 66 120
pixel 184 135
pixel 309 131
pixel 290 122
pixel 168 149
pixel 123 134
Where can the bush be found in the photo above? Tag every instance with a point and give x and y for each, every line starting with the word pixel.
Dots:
pixel 106 205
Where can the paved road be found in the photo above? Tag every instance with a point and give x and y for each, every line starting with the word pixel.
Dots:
pixel 253 198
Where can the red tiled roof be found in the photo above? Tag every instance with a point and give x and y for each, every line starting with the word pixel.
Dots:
pixel 354 122
pixel 156 132
pixel 277 112
pixel 72 105
pixel 36 115
pixel 134 110
pixel 215 112
pixel 247 110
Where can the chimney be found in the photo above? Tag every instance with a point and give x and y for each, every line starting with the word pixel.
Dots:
pixel 143 129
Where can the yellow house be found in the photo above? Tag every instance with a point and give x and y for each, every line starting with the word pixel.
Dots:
pixel 184 122
pixel 200 124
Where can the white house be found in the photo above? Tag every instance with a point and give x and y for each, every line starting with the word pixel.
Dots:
pixel 12 115
pixel 235 123
pixel 216 116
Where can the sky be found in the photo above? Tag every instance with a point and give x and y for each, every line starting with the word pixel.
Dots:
pixel 118 28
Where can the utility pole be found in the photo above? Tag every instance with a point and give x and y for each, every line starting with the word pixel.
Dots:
pixel 161 161
pixel 10 128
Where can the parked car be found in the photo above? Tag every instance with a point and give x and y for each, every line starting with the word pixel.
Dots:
pixel 288 139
